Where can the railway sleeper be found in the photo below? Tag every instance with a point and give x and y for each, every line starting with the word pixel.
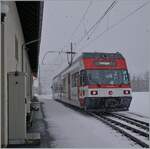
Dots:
pixel 128 127
pixel 131 121
pixel 141 122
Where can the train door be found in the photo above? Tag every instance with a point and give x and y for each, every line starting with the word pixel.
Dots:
pixel 78 85
pixel 74 87
pixel 81 88
pixel 69 90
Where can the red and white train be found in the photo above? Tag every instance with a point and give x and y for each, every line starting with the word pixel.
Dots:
pixel 95 82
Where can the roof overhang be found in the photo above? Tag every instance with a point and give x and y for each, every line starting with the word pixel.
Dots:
pixel 31 15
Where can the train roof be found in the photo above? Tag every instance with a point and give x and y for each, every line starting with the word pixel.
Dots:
pixel 93 55
pixel 101 55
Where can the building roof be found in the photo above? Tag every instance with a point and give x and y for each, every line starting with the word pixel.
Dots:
pixel 31 14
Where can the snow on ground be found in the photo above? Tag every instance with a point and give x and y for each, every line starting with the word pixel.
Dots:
pixel 70 128
pixel 140 103
pixel 48 97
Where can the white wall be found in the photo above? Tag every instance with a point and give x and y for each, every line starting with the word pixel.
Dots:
pixel 12 30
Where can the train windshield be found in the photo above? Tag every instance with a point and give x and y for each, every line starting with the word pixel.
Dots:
pixel 107 76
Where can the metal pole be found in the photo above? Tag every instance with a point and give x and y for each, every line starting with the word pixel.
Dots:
pixel 71 53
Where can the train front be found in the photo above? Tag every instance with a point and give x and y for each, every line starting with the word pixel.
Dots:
pixel 105 84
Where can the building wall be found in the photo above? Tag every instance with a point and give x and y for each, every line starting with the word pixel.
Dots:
pixel 0 94
pixel 13 40
pixel 27 70
pixel 1 76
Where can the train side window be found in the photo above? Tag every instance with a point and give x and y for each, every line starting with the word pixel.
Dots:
pixel 74 79
pixel 77 79
pixel 83 77
pixel 64 85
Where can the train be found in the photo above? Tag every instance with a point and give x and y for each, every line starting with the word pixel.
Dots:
pixel 95 81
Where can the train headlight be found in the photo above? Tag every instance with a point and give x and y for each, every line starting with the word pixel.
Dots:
pixel 126 92
pixel 110 92
pixel 94 92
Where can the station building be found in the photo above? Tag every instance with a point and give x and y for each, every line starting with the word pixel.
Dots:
pixel 21 24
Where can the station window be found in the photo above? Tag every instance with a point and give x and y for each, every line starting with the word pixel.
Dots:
pixel 16 48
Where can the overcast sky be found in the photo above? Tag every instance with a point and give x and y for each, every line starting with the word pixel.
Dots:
pixel 131 37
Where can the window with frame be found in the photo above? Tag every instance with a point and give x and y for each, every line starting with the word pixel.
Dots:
pixel 74 79
pixel 16 48
pixel 64 86
pixel 83 77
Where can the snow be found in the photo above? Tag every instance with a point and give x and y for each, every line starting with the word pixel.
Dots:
pixel 46 97
pixel 128 124
pixel 71 128
pixel 35 83
pixel 140 103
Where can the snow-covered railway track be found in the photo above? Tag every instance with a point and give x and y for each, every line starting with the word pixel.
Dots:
pixel 132 131
pixel 144 124
pixel 138 123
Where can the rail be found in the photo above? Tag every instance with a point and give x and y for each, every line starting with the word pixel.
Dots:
pixel 137 135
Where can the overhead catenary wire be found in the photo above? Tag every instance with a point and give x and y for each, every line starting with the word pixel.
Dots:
pixel 76 28
pixel 82 19
pixel 79 24
pixel 116 24
pixel 59 52
pixel 102 17
pixel 94 26
pixel 71 36
pixel 111 27
pixel 97 22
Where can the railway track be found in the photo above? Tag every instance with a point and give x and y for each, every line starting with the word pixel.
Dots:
pixel 136 130
pixel 138 123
